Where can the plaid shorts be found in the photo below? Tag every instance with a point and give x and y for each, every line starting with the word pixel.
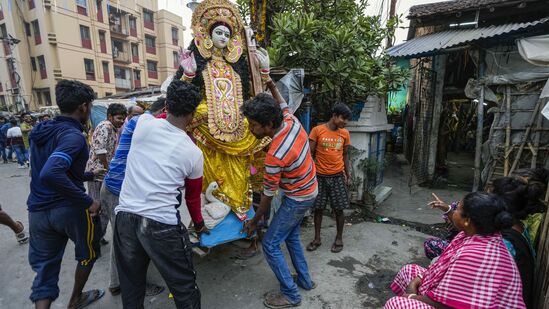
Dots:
pixel 332 190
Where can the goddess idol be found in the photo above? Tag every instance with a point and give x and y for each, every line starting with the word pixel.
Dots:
pixel 216 62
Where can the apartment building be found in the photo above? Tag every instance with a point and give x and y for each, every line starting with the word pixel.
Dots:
pixel 113 46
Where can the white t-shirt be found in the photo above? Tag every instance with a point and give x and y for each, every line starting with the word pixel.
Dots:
pixel 161 157
pixel 14 132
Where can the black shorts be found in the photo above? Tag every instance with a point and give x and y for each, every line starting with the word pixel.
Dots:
pixel 332 190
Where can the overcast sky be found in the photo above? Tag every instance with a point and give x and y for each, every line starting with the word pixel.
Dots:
pixel 376 7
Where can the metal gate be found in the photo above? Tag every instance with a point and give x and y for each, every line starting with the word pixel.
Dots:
pixel 423 98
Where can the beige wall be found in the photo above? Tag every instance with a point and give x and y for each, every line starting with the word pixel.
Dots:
pixel 64 55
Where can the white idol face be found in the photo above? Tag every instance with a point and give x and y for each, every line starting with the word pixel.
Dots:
pixel 221 36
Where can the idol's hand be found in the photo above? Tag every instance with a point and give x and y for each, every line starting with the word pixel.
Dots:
pixel 187 62
pixel 263 59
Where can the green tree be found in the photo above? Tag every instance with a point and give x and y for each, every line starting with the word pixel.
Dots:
pixel 339 46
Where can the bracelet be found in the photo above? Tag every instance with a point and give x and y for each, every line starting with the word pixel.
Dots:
pixel 448 211
pixel 410 296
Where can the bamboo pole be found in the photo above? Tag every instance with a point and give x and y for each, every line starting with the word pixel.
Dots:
pixel 507 129
pixel 536 142
pixel 525 137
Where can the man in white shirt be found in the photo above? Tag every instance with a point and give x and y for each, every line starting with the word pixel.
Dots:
pixel 15 141
pixel 162 160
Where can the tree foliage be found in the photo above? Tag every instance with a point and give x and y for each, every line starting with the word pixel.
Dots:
pixel 339 46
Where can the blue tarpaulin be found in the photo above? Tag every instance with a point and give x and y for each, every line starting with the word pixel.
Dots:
pixel 228 230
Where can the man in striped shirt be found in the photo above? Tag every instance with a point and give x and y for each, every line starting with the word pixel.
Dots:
pixel 289 168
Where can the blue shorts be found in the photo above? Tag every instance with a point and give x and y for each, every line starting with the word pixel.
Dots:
pixel 49 232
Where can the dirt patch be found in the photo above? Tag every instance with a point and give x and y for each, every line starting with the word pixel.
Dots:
pixel 348 263
pixel 376 286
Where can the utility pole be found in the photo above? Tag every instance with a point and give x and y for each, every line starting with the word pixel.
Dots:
pixel 392 12
pixel 10 41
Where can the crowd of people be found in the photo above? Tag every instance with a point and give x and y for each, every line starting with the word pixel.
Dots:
pixel 134 181
pixel 14 137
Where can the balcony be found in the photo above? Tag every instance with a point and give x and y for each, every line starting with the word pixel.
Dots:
pixel 136 84
pixel 123 83
pixel 135 59
pixel 118 22
pixel 120 56
pixel 119 30
pixel 133 32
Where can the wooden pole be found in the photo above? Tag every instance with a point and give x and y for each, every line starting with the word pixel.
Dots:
pixel 507 129
pixel 525 136
pixel 480 124
pixel 536 142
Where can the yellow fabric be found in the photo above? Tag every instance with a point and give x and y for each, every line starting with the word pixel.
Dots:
pixel 226 161
pixel 533 222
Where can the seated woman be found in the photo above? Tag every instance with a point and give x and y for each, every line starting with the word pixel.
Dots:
pixel 475 271
pixel 524 199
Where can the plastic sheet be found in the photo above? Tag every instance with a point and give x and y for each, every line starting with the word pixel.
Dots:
pixel 230 229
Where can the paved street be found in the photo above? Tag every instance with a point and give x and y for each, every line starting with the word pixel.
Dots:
pixel 357 277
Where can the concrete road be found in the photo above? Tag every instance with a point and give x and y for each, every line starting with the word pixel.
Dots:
pixel 358 277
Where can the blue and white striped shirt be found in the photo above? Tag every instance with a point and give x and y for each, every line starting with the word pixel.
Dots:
pixel 117 167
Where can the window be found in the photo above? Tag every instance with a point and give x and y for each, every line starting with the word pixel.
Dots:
pixel 108 94
pixel 42 67
pixel 99 9
pixel 47 97
pixel 4 33
pixel 31 4
pixel 119 73
pixel 148 19
pixel 136 79
pixel 89 68
pixel 106 76
pixel 85 37
pixel 133 26
pixel 175 36
pixel 151 69
pixel 28 31
pixel 36 30
pixel 175 60
pixel 102 42
pixel 135 53
pixel 82 7
pixel 150 44
pixel 1 12
pixel 33 64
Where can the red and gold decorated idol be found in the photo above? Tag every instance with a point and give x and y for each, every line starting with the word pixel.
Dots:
pixel 217 62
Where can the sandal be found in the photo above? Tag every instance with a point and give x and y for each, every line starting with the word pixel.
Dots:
pixel 22 237
pixel 312 246
pixel 114 290
pixel 153 289
pixel 277 301
pixel 88 298
pixel 336 248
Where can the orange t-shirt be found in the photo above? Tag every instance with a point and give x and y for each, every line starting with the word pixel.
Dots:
pixel 329 149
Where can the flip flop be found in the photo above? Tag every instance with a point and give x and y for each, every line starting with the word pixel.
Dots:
pixel 336 248
pixel 247 254
pixel 89 297
pixel 312 246
pixel 22 237
pixel 278 301
pixel 153 289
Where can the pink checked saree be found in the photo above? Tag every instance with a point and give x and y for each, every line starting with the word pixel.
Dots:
pixel 473 272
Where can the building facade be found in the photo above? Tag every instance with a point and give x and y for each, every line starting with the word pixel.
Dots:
pixel 112 46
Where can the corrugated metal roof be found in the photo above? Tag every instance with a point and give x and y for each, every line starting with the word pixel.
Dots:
pixel 451 38
pixel 448 7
